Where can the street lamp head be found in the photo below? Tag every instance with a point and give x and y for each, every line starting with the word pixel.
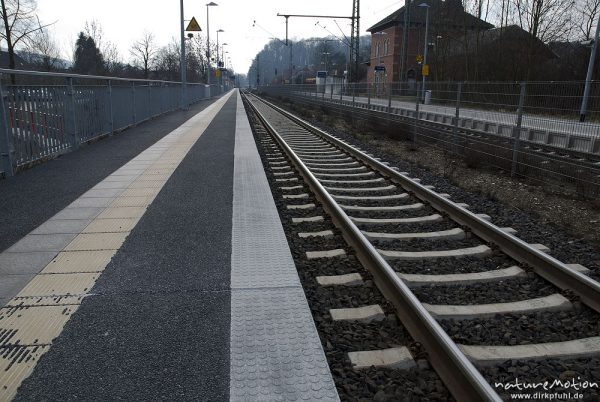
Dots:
pixel 212 3
pixel 424 5
pixel 220 30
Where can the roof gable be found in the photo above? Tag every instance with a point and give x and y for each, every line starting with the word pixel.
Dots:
pixel 441 13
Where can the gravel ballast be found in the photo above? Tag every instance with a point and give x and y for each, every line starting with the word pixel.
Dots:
pixel 509 329
pixel 339 338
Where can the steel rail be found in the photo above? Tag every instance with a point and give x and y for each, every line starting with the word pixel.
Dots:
pixel 454 368
pixel 548 267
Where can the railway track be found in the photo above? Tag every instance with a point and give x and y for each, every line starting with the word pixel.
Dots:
pixel 448 273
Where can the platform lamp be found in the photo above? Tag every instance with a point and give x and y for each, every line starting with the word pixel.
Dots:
pixel 182 64
pixel 220 77
pixel 223 52
pixel 426 44
pixel 223 80
pixel 211 4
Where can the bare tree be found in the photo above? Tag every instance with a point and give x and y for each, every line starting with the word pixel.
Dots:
pixel 545 20
pixel 167 61
pixel 143 52
pixel 588 11
pixel 20 22
pixel 109 50
pixel 479 8
pixel 43 51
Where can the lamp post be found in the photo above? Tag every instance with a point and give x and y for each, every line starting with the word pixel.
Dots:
pixel 211 4
pixel 182 64
pixel 220 80
pixel 425 47
pixel 224 61
pixel 218 32
pixel 326 54
pixel 223 53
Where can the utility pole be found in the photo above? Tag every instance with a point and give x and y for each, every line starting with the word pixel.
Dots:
pixel 588 77
pixel 403 54
pixel 182 63
pixel 257 70
pixel 355 39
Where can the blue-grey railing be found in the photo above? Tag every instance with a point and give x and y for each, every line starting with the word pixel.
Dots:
pixel 50 113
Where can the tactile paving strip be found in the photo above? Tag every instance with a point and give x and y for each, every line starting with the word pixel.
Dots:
pixel 276 353
pixel 275 350
pixel 260 256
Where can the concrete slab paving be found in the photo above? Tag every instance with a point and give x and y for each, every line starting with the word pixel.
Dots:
pixel 62 226
pixel 11 285
pixel 114 192
pixel 91 202
pixel 42 242
pixel 78 213
pixel 24 263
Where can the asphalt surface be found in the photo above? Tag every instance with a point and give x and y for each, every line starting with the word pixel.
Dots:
pixel 33 196
pixel 156 326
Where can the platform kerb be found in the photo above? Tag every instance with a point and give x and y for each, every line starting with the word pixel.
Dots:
pixel 276 353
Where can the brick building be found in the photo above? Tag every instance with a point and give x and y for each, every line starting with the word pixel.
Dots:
pixel 448 21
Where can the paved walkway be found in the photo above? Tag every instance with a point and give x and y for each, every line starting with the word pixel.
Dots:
pixel 148 285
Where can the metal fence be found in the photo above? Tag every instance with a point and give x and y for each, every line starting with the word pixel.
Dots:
pixel 45 114
pixel 530 129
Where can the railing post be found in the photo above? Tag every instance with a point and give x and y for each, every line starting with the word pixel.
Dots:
pixel 148 96
pixel 164 97
pixel 368 95
pixel 111 115
pixel 389 107
pixel 416 125
pixel 389 98
pixel 517 131
pixel 70 121
pixel 133 114
pixel 6 151
pixel 456 117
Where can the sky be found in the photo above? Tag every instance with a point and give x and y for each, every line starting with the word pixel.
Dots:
pixel 124 21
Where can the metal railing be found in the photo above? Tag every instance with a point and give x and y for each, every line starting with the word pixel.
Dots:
pixel 46 114
pixel 530 129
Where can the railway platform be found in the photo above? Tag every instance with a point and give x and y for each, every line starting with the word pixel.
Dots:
pixel 153 266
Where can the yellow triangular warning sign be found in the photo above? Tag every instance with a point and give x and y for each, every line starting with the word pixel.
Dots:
pixel 193 25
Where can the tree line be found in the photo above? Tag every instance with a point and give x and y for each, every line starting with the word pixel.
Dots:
pixel 27 38
pixel 532 40
pixel 273 64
